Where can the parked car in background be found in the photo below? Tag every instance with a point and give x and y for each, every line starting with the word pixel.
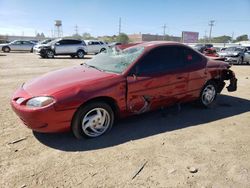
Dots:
pixel 4 41
pixel 234 55
pixel 46 41
pixel 41 43
pixel 202 47
pixel 17 45
pixel 88 98
pixel 95 46
pixel 62 46
pixel 223 49
pixel 210 52
pixel 34 41
pixel 113 44
pixel 247 55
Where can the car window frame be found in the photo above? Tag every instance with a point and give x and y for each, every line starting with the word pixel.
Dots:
pixel 186 67
pixel 135 72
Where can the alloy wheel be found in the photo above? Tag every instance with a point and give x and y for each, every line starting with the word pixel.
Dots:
pixel 208 95
pixel 96 122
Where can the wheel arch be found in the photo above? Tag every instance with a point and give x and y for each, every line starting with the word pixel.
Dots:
pixel 108 100
pixel 81 49
pixel 219 84
pixel 6 47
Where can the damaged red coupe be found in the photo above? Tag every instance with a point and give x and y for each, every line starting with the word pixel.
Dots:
pixel 88 98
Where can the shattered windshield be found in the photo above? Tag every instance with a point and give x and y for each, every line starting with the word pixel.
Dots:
pixel 114 60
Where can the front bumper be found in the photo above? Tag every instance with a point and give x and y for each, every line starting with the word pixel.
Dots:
pixel 230 75
pixel 36 50
pixel 231 59
pixel 45 119
pixel 233 85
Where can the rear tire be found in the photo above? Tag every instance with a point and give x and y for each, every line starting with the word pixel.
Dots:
pixel 208 94
pixel 6 49
pixel 80 54
pixel 92 120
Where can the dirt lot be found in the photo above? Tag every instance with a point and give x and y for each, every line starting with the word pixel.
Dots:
pixel 216 141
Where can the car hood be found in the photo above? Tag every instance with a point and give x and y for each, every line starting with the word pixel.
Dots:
pixel 68 78
pixel 39 45
pixel 4 44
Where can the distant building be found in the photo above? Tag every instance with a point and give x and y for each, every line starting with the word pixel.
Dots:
pixel 149 37
pixel 15 37
pixel 243 43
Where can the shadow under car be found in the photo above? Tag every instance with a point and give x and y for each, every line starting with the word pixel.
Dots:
pixel 148 124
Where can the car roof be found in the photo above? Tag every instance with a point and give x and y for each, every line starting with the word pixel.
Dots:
pixel 153 44
pixel 94 40
pixel 21 40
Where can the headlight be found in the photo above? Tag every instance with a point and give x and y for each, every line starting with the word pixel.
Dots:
pixel 39 102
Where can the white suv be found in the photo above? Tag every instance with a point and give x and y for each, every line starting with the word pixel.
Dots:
pixel 95 46
pixel 62 46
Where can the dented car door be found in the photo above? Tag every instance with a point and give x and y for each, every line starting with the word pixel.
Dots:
pixel 157 80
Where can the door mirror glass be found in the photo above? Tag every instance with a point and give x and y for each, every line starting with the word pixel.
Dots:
pixel 57 44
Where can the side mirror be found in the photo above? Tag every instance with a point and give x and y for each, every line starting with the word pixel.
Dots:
pixel 57 44
pixel 134 73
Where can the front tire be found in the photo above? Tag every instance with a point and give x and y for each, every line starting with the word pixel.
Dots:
pixel 50 54
pixel 208 94
pixel 92 120
pixel 6 49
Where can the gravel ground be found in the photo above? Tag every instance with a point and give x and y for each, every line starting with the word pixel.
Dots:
pixel 158 149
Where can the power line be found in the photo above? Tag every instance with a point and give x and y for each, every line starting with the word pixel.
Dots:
pixel 211 24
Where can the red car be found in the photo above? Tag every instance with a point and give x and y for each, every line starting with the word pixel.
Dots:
pixel 210 52
pixel 88 98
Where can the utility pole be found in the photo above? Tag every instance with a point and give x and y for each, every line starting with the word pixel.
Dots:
pixel 76 30
pixel 232 36
pixel 120 25
pixel 164 31
pixel 211 24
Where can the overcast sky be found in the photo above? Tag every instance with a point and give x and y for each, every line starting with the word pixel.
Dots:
pixel 101 17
